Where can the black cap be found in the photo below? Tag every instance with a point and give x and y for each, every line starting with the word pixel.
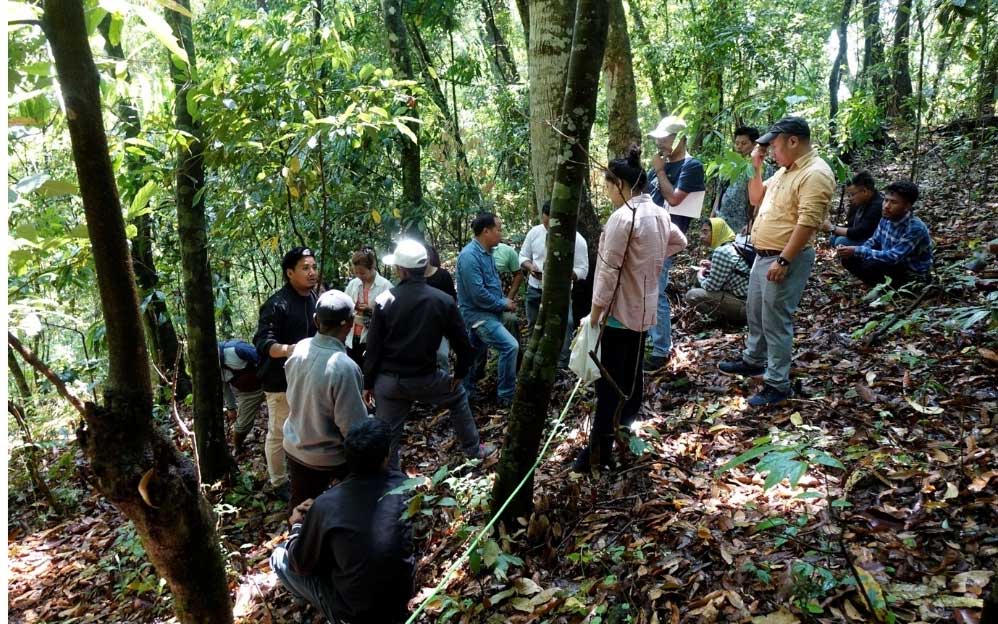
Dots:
pixel 291 258
pixel 788 125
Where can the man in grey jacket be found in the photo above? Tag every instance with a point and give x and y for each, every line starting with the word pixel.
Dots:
pixel 324 397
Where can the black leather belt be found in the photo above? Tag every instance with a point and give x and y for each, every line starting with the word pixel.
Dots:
pixel 768 253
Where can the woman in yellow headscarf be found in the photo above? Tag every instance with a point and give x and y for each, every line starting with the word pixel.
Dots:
pixel 724 278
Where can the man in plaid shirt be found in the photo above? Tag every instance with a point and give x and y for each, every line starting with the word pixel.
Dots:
pixel 900 249
pixel 724 278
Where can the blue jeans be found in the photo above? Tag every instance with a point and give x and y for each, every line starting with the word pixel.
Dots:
pixel 843 241
pixel 489 332
pixel 317 590
pixel 661 333
pixel 770 307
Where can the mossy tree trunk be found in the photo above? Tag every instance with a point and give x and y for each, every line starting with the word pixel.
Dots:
pixel 199 295
pixel 529 415
pixel 898 104
pixel 874 77
pixel 621 93
pixel 119 438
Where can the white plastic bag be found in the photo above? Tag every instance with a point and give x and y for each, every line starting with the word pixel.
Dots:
pixel 579 361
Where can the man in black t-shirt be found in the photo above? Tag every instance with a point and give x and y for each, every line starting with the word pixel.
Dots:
pixel 350 554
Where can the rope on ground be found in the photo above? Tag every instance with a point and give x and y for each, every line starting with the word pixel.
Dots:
pixel 454 567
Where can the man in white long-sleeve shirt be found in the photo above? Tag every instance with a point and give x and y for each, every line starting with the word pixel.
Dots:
pixel 532 254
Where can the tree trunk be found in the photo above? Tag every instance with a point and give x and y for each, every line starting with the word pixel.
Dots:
pixel 621 94
pixel 537 373
pixel 412 188
pixel 836 76
pixel 987 84
pixel 898 105
pixel 199 296
pixel 551 23
pixel 159 325
pixel 19 379
pixel 119 439
pixel 440 99
pixel 649 59
pixel 523 8
pixel 501 57
pixel 873 75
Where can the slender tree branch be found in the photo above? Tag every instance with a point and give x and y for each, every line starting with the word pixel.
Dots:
pixel 43 368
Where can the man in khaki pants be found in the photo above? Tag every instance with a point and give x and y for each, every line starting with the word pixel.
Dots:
pixel 285 319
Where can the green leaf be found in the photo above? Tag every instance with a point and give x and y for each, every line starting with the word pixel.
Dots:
pixel 131 230
pixel 439 475
pixel 744 457
pixel 160 29
pixel 365 72
pixel 141 200
pixel 54 188
pixel 447 502
pixel 114 31
pixel 404 129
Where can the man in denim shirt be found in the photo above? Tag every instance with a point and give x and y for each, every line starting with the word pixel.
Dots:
pixel 481 301
pixel 900 248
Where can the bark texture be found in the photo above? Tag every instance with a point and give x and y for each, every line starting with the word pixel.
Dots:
pixel 160 332
pixel 199 296
pixel 119 440
pixel 621 93
pixel 501 57
pixel 651 65
pixel 529 415
pixel 412 186
pixel 551 23
pixel 835 78
pixel 873 74
pixel 897 105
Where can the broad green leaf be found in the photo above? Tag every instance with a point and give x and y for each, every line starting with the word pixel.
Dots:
pixel 141 200
pixel 114 32
pixel 744 457
pixel 874 593
pixel 160 29
pixel 404 129
pixel 375 216
pixel 54 188
pixel 175 6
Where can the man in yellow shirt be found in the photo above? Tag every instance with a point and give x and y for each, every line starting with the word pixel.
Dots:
pixel 792 204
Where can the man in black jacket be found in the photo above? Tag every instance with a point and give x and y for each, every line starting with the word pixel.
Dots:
pixel 350 554
pixel 865 207
pixel 285 319
pixel 400 366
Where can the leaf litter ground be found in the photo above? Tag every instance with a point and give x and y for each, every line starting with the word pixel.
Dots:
pixel 665 538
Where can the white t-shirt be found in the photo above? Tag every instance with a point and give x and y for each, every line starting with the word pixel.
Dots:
pixel 534 248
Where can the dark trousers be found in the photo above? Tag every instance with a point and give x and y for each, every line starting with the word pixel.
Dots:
pixel 308 482
pixel 622 354
pixel 873 272
pixel 357 351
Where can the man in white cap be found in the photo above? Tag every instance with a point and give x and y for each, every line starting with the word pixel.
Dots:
pixel 674 175
pixel 400 366
pixel 325 399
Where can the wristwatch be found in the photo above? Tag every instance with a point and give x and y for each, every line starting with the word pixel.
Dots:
pixel 783 262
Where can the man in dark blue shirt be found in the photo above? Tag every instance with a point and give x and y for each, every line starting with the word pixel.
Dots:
pixel 900 248
pixel 674 175
pixel 350 554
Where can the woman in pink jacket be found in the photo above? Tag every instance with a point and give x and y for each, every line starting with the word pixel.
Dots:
pixel 636 240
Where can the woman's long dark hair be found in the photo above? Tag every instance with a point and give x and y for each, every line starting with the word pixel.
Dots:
pixel 627 170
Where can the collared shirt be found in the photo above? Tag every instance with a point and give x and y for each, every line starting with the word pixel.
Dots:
pixel 796 195
pixel 654 238
pixel 534 249
pixel 904 242
pixel 324 397
pixel 728 272
pixel 479 291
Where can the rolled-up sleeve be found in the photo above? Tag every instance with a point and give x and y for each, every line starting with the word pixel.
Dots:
pixel 815 196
